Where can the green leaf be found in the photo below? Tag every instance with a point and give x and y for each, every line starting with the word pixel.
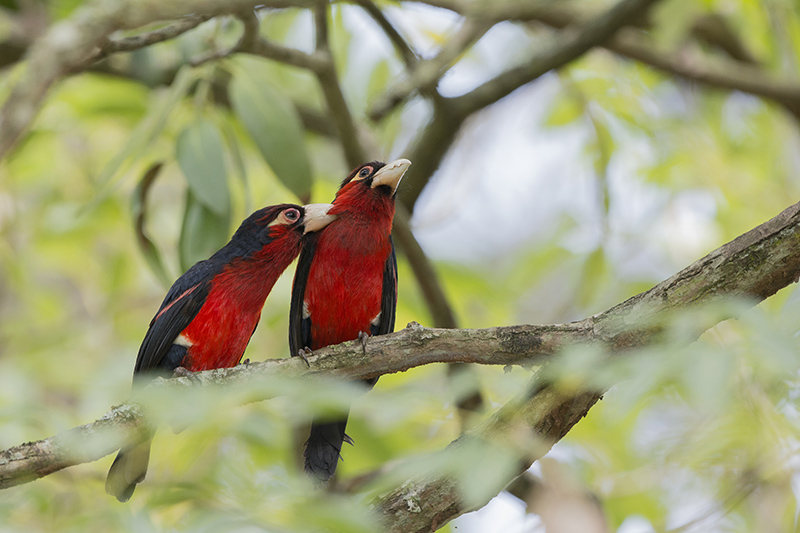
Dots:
pixel 145 132
pixel 237 160
pixel 274 124
pixel 199 154
pixel 203 232
pixel 139 210
pixel 378 79
pixel 565 111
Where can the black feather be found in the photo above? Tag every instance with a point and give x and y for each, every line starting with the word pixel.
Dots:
pixel 323 447
pixel 299 327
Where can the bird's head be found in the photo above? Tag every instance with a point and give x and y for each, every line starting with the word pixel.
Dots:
pixel 283 222
pixel 369 186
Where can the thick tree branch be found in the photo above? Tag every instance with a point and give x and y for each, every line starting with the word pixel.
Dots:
pixel 755 265
pixel 409 348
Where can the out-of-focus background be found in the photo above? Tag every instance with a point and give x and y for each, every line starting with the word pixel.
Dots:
pixel 545 203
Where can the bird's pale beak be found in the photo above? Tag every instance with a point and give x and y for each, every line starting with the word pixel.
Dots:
pixel 316 217
pixel 391 174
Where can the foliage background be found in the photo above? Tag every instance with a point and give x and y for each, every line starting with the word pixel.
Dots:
pixel 568 196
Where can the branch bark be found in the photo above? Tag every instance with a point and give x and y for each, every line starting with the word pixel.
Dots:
pixel 754 265
pixel 69 43
pixel 449 114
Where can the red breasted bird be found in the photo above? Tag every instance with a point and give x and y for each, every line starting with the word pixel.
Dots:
pixel 345 286
pixel 211 311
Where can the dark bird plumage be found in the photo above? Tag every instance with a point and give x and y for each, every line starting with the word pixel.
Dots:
pixel 345 286
pixel 211 311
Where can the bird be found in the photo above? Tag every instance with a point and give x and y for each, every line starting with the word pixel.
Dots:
pixel 345 288
pixel 211 311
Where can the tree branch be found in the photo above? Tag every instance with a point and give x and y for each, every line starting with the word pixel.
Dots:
pixel 755 265
pixel 429 284
pixel 426 74
pixel 68 43
pixel 564 49
pixel 744 75
pixel 407 54
pixel 432 144
pixel 129 44
pixel 741 75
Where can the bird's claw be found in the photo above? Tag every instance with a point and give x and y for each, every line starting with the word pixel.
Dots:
pixel 363 336
pixel 303 354
pixel 246 361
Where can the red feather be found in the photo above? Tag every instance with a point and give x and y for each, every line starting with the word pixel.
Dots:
pixel 220 332
pixel 343 293
pixel 346 278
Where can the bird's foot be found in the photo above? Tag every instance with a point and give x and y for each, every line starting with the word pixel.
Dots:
pixel 246 361
pixel 363 336
pixel 304 353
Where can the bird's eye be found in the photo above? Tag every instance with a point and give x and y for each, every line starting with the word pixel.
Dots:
pixel 291 215
pixel 366 171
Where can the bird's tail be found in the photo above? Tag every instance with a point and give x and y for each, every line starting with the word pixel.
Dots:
pixel 322 449
pixel 128 470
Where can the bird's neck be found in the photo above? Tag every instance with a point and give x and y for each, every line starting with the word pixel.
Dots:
pixel 247 281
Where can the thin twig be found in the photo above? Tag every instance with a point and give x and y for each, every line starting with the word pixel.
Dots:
pixel 427 74
pixel 564 49
pixel 433 142
pixel 68 43
pixel 427 278
pixel 407 54
pixel 136 42
pixel 285 54
pixel 333 94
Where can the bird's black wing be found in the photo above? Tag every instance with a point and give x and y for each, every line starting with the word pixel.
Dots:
pixel 388 296
pixel 181 304
pixel 299 326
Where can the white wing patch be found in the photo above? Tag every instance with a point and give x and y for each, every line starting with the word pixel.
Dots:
pixel 376 321
pixel 306 313
pixel 183 340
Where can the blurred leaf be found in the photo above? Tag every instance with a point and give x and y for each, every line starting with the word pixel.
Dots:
pixel 565 110
pixel 340 38
pixel 604 150
pixel 378 79
pixel 203 232
pixel 673 21
pixel 199 154
pixel 139 210
pixel 275 126
pixel 62 8
pixel 146 131
pixel 238 162
pixel 593 277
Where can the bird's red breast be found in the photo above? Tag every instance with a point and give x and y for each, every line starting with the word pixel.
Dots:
pixel 219 334
pixel 345 282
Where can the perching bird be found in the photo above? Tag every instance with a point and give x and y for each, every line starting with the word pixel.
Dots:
pixel 211 311
pixel 345 287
